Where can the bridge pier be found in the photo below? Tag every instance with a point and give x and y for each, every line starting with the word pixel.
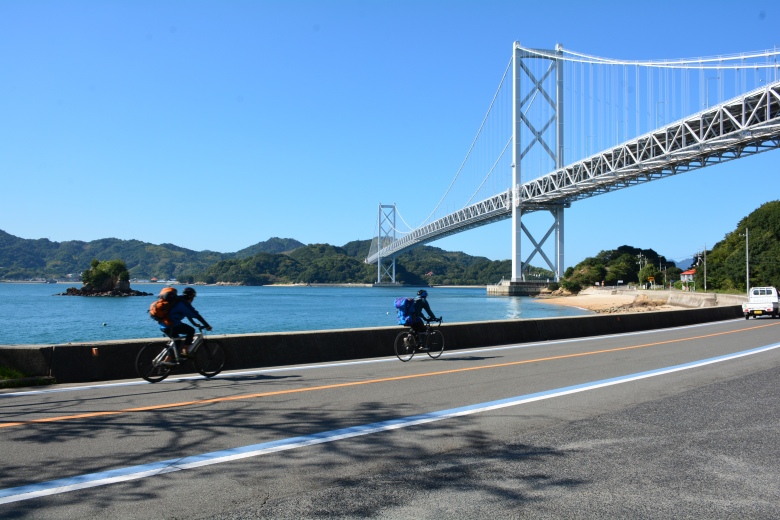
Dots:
pixel 516 288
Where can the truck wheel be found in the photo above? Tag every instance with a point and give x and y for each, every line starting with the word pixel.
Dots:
pixel 747 315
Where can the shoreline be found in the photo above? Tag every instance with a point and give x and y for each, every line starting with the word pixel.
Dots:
pixel 604 302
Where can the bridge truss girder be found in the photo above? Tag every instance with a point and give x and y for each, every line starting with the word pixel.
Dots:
pixel 737 128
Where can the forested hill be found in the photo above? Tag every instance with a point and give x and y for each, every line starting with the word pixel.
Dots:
pixel 272 245
pixel 622 266
pixel 324 263
pixel 727 262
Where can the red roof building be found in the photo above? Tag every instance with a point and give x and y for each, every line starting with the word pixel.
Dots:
pixel 687 276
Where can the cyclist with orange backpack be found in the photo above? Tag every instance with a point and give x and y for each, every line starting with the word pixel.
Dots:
pixel 174 325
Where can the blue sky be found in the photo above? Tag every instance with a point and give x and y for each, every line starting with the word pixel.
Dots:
pixel 219 124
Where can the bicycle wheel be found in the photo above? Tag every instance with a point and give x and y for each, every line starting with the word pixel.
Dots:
pixel 148 363
pixel 210 358
pixel 404 346
pixel 435 343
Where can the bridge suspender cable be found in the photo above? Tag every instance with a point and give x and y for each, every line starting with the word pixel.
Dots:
pixel 471 148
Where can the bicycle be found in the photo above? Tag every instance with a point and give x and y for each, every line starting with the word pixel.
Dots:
pixel 154 363
pixel 407 343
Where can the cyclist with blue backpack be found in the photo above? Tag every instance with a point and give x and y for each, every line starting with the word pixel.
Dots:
pixel 420 304
pixel 419 336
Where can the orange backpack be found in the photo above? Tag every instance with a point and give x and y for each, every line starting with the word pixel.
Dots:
pixel 163 304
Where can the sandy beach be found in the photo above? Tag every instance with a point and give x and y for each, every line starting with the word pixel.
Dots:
pixel 608 302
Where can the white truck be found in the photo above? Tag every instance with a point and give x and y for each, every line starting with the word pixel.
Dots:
pixel 762 301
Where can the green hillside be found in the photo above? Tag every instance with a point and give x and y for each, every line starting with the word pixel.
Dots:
pixel 272 245
pixel 727 261
pixel 622 266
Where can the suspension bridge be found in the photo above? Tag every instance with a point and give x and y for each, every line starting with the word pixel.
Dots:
pixel 618 123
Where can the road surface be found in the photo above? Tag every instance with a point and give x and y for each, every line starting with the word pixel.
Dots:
pixel 675 423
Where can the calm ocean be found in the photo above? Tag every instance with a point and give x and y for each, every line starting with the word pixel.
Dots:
pixel 32 314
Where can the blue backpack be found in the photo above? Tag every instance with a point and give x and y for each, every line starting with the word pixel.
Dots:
pixel 405 308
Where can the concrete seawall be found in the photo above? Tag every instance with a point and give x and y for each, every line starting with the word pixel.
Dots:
pixel 103 361
pixel 685 299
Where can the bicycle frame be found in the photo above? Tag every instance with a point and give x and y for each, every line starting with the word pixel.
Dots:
pixel 426 332
pixel 409 341
pixel 154 363
pixel 173 348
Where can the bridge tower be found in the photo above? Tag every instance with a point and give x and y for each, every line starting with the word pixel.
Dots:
pixel 386 235
pixel 527 89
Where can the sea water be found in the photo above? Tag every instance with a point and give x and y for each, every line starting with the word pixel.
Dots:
pixel 33 313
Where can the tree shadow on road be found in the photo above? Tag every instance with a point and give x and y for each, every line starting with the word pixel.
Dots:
pixel 453 454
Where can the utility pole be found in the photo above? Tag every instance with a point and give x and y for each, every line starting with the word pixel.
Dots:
pixel 705 267
pixel 638 277
pixel 663 270
pixel 747 261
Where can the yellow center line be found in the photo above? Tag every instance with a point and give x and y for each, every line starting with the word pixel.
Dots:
pixel 365 382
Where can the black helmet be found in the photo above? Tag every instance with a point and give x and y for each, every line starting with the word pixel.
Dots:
pixel 189 292
pixel 422 293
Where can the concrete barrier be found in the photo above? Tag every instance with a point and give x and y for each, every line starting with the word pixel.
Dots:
pixel 103 361
pixel 693 300
pixel 689 300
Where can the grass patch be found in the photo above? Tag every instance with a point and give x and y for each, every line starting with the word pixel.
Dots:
pixel 10 378
pixel 10 373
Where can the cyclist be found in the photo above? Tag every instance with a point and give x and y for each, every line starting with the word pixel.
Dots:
pixel 420 304
pixel 183 309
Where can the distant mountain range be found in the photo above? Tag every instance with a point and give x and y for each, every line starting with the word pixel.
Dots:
pixel 684 263
pixel 26 258
pixel 276 260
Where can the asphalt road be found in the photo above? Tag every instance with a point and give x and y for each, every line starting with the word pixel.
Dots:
pixel 677 423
